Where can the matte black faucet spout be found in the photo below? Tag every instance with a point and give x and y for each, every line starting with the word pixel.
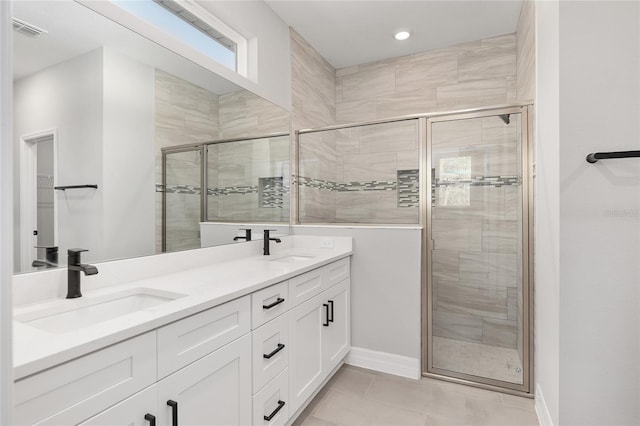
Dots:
pixel 267 238
pixel 74 267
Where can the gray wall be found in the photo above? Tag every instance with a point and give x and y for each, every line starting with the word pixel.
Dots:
pixel 385 287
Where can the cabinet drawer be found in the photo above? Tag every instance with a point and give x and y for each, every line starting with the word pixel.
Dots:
pixel 189 339
pixel 305 286
pixel 266 304
pixel 272 341
pixel 74 391
pixel 269 399
pixel 336 272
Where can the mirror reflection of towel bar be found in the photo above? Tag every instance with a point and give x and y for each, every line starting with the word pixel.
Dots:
pixel 595 156
pixel 64 188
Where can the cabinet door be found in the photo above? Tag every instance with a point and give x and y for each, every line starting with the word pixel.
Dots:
pixel 337 336
pixel 130 412
pixel 305 356
pixel 215 390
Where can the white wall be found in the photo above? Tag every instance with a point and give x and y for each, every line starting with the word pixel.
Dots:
pixel 547 213
pixel 6 219
pixel 255 20
pixel 599 214
pixel 128 158
pixel 588 215
pixel 385 287
pixel 102 105
pixel 67 97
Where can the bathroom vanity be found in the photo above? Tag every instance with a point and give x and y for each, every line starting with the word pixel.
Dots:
pixel 244 339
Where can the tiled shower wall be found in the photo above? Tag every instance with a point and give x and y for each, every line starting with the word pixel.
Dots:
pixel 466 75
pixel 476 266
pixel 185 113
pixel 313 104
pixel 359 168
pixel 249 180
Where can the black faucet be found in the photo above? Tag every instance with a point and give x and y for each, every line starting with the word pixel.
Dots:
pixel 265 250
pixel 247 235
pixel 74 267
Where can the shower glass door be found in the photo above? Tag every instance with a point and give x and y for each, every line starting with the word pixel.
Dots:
pixel 477 285
pixel 182 171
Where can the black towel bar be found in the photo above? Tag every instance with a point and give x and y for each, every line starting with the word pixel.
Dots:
pixel 595 156
pixel 64 188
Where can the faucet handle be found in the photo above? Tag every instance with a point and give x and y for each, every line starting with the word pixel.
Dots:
pixel 74 255
pixel 76 251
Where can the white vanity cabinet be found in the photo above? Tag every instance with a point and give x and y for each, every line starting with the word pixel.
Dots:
pixel 319 332
pixel 214 391
pixel 252 361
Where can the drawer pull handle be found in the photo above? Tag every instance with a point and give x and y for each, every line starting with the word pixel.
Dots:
pixel 272 415
pixel 276 303
pixel 330 319
pixel 174 412
pixel 326 310
pixel 275 351
pixel 151 418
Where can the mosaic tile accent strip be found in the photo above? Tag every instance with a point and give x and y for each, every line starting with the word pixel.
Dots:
pixel 270 192
pixel 179 189
pixel 408 188
pixel 496 181
pixel 374 185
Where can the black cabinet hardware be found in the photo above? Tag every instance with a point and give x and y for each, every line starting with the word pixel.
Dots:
pixel 174 412
pixel 278 301
pixel 275 351
pixel 326 311
pixel 151 418
pixel 330 318
pixel 278 408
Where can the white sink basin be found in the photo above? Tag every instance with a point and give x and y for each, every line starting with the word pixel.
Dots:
pixel 293 258
pixel 66 315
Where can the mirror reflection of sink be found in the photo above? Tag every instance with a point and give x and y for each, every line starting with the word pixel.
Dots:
pixel 293 258
pixel 64 316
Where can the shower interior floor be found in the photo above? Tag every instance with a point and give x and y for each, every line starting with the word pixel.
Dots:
pixel 477 359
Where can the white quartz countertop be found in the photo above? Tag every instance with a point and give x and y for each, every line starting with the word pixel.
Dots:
pixel 203 287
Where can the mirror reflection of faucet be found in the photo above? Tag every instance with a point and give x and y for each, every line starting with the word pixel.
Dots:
pixel 51 257
pixel 74 267
pixel 246 237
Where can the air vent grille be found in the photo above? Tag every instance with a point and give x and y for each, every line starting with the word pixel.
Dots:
pixel 26 28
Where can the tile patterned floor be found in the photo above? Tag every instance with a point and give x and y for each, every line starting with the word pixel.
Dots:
pixel 359 397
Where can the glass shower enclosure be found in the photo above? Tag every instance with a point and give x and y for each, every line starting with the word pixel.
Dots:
pixel 463 177
pixel 477 245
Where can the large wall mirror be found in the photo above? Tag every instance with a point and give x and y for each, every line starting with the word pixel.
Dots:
pixel 127 149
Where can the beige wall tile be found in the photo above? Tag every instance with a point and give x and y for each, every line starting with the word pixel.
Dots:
pixel 490 62
pixel 499 333
pixel 525 51
pixel 471 299
pixel 472 94
pixel 457 326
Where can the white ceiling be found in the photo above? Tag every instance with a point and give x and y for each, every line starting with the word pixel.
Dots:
pixel 351 32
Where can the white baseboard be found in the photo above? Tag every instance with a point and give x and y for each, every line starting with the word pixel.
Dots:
pixel 544 417
pixel 398 365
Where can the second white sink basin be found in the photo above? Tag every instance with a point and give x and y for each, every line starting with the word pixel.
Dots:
pixel 67 315
pixel 293 258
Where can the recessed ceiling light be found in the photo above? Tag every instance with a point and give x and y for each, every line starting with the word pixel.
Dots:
pixel 402 35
